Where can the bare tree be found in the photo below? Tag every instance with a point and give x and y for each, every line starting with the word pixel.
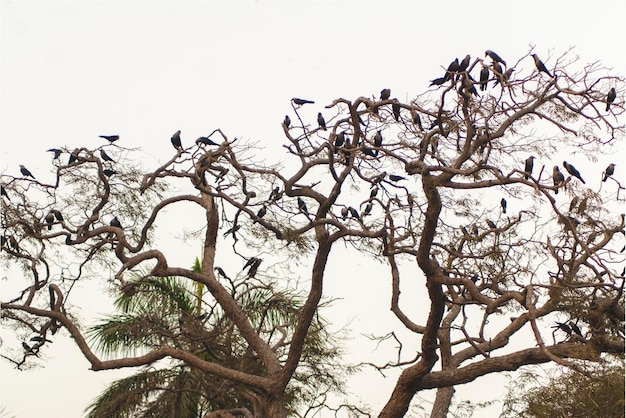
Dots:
pixel 441 188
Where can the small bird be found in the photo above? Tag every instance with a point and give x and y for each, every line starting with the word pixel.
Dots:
pixel 25 172
pixel 354 213
pixel 474 278
pixel 57 214
pixel 484 77
pixel 475 229
pixel 115 222
pixel 528 167
pixel 302 206
pixel 340 139
pixel 572 170
pixel 110 138
pixel 575 328
pixel 503 205
pixel 221 272
pixel 394 177
pixel 498 72
pixel 261 213
pixel 541 67
pixel 49 220
pixel 73 156
pixel 378 139
pixel 416 119
pixel 367 210
pixel 563 327
pixel 57 153
pixel 495 57
pixel 108 172
pixel 464 63
pixel 610 98
pixel 176 141
pixel 608 172
pixel 573 203
pixel 105 156
pixel 452 68
pixel 301 102
pixel 385 94
pixel 395 109
pixel 4 193
pixel 373 192
pixel 344 213
pixel 28 348
pixel 320 121
pixel 206 141
pixel 491 224
pixel 232 230
pixel 370 152
pixel 287 121
pixel 557 178
pixel 438 81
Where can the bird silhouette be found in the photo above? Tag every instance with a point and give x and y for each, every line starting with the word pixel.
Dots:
pixel 301 102
pixel 57 153
pixel 608 172
pixel 115 223
pixel 49 220
pixel 25 172
pixel 438 81
pixel 575 329
pixel 464 63
pixel 320 121
pixel 110 138
pixel 395 109
pixel 528 167
pixel 572 170
pixel 484 77
pixel 452 68
pixel 176 141
pixel 105 156
pixel 287 121
pixel 108 172
pixel 395 177
pixel 4 193
pixel 302 206
pixel 378 139
pixel 503 204
pixel 610 98
pixel 557 178
pixel 495 57
pixel 206 141
pixel 541 67
pixel 385 94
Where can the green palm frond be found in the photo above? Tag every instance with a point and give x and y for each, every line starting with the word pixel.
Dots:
pixel 170 294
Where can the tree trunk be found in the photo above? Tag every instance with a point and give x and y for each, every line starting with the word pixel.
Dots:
pixel 442 402
pixel 274 407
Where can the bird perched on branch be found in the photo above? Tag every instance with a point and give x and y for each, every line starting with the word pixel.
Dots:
pixel 57 153
pixel 301 102
pixel 572 170
pixel 438 81
pixel 608 172
pixel 495 57
pixel 541 67
pixel 610 98
pixel 287 121
pixel 464 63
pixel 528 167
pixel 110 138
pixel 320 121
pixel 4 193
pixel 206 141
pixel 575 329
pixel 484 77
pixel 302 206
pixel 385 94
pixel 378 139
pixel 49 220
pixel 395 109
pixel 563 327
pixel 105 156
pixel 115 223
pixel 176 141
pixel 108 172
pixel 503 205
pixel 453 68
pixel 557 178
pixel 395 177
pixel 25 172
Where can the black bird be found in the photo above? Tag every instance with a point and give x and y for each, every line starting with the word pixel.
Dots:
pixel 572 170
pixel 373 192
pixel 275 194
pixel 221 272
pixel 110 138
pixel 438 81
pixel 301 102
pixel 73 156
pixel 541 67
pixel 320 121
pixel 344 213
pixel 287 121
pixel 464 63
pixel 261 213
pixel 528 167
pixel 575 328
pixel 610 98
pixel 354 213
pixel 608 172
pixel 395 108
pixel 4 193
pixel 49 220
pixel 105 156
pixel 370 152
pixel 251 261
pixel 563 327
pixel 115 222
pixel 176 141
pixel 416 119
pixel 27 348
pixel 508 74
pixel 57 153
pixel 302 206
pixel 474 278
pixel 108 172
pixel 503 205
pixel 495 57
pixel 573 203
pixel 206 141
pixel 385 94
pixel 491 224
pixel 367 210
pixel 340 139
pixel 468 84
pixel 57 214
pixel 498 72
pixel 484 77
pixel 394 177
pixel 452 68
pixel 232 230
pixel 378 139
pixel 475 229
pixel 557 178
pixel 25 172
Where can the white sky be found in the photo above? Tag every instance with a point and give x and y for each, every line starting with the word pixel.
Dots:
pixel 72 71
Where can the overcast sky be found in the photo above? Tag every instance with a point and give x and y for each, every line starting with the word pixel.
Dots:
pixel 74 70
